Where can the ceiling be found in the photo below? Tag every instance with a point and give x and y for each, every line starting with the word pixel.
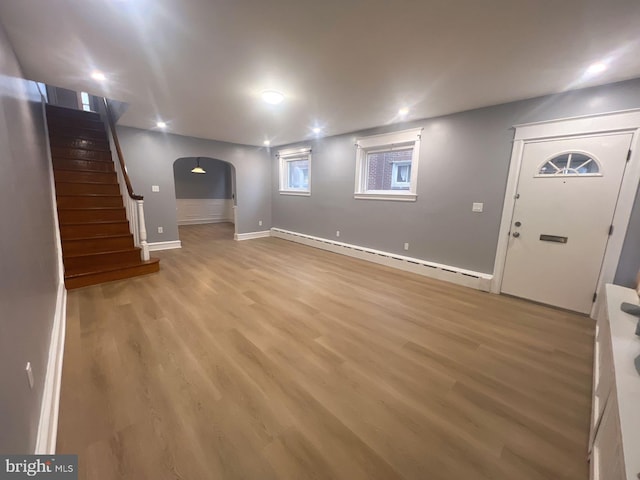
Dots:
pixel 343 65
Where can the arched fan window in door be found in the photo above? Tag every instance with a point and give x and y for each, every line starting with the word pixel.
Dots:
pixel 573 164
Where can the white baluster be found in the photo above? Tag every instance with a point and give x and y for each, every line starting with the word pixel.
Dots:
pixel 142 230
pixel 132 216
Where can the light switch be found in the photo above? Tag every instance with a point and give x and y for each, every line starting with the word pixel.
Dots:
pixel 477 207
pixel 155 188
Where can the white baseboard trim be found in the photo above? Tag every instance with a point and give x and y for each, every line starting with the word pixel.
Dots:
pixel 155 246
pixel 460 276
pixel 203 221
pixel 252 235
pixel 48 424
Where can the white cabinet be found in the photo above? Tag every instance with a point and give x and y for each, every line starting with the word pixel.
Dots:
pixel 614 444
pixel 607 462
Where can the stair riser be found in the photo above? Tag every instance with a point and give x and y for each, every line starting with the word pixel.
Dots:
pixel 61 112
pixel 74 142
pixel 80 188
pixel 85 177
pixel 67 131
pixel 82 165
pixel 96 245
pixel 81 154
pixel 103 277
pixel 88 123
pixel 89 201
pixel 91 262
pixel 68 232
pixel 82 216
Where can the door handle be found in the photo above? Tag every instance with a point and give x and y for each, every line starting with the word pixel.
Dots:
pixel 516 234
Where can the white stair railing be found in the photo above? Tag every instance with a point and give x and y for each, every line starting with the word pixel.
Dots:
pixel 134 204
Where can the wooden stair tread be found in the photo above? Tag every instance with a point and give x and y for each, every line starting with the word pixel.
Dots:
pixel 83 176
pixel 89 195
pixel 73 159
pixel 67 134
pixel 97 222
pixel 81 170
pixel 84 183
pixel 88 149
pixel 95 278
pixel 90 208
pixel 96 237
pixel 89 170
pixel 109 252
pixel 111 268
pixel 85 239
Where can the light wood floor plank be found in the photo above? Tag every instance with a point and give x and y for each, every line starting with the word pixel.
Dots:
pixel 267 359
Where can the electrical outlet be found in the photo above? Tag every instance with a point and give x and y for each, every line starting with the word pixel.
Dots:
pixel 406 246
pixel 155 188
pixel 477 207
pixel 29 374
pixel 160 229
pixel 260 223
pixel 337 233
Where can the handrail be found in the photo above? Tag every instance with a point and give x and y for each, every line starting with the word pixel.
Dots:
pixel 123 167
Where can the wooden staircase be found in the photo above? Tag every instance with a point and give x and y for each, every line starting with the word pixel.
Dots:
pixel 97 245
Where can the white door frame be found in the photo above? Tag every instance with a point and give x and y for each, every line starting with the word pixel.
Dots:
pixel 627 121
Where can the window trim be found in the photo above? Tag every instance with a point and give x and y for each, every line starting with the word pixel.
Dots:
pixel 384 143
pixel 289 155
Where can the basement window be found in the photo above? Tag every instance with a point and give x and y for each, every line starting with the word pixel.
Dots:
pixel 387 166
pixel 295 171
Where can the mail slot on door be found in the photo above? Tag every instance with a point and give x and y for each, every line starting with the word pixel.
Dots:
pixel 553 238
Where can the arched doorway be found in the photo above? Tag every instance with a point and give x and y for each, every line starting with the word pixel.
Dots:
pixel 206 196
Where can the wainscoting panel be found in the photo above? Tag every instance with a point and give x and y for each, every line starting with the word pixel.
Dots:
pixel 192 211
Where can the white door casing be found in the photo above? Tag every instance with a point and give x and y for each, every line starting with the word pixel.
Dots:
pixel 591 125
pixel 561 220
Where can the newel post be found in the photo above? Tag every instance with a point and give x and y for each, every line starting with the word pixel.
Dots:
pixel 142 230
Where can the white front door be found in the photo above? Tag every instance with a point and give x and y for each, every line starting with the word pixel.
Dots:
pixel 565 201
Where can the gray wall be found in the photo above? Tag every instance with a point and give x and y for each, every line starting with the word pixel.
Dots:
pixel 62 97
pixel 464 158
pixel 150 155
pixel 630 259
pixel 216 183
pixel 28 254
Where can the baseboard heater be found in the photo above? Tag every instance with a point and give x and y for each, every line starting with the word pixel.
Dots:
pixel 467 278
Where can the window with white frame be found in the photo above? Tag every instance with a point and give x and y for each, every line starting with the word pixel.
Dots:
pixel 387 166
pixel 295 171
pixel 85 101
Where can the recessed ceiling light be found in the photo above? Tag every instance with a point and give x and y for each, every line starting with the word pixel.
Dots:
pixel 596 68
pixel 267 143
pixel 161 125
pixel 272 97
pixel 317 130
pixel 98 75
pixel 403 111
